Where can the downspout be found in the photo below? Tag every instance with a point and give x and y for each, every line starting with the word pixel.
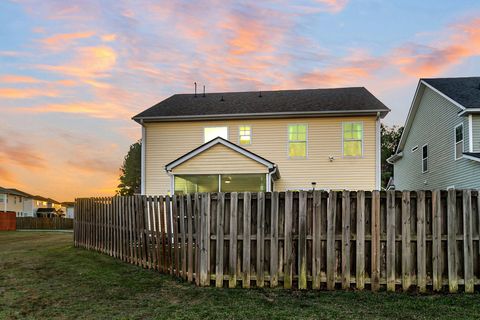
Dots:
pixel 270 182
pixel 378 156
pixel 142 177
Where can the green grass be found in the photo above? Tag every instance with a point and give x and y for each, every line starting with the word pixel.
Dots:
pixel 43 277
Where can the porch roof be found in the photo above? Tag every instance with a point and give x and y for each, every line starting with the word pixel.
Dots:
pixel 272 167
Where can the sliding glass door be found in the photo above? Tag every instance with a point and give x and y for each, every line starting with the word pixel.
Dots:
pixel 255 182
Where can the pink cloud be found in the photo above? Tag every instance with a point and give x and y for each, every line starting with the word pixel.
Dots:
pixel 26 93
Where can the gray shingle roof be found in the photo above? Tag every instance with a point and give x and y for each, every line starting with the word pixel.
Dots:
pixel 465 91
pixel 265 104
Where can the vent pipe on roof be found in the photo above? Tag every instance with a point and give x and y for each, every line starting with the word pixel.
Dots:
pixel 204 91
pixel 260 94
pixel 222 99
pixel 195 83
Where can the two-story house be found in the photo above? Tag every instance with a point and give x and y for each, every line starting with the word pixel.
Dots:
pixel 262 141
pixel 440 145
pixel 16 201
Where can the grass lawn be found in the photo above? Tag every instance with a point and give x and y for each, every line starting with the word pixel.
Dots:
pixel 43 277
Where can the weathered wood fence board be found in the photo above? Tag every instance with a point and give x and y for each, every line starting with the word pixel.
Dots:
pixel 426 240
pixel 55 223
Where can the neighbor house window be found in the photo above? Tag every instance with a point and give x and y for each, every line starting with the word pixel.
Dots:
pixel 458 141
pixel 297 141
pixel 210 133
pixel 352 139
pixel 425 158
pixel 245 135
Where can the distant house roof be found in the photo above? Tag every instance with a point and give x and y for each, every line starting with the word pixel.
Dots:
pixel 465 91
pixel 16 192
pixel 37 197
pixel 266 104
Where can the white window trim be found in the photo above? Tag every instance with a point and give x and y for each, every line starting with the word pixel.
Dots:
pixel 455 141
pixel 428 155
pixel 228 132
pixel 251 134
pixel 470 133
pixel 306 141
pixel 343 140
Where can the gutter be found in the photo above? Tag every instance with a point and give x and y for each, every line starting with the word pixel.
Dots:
pixel 140 119
pixel 394 158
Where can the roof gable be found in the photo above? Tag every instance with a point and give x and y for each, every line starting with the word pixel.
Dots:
pixel 280 103
pixel 421 87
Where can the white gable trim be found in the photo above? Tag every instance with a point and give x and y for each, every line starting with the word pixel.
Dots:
pixel 212 143
pixel 469 111
pixel 443 95
pixel 466 156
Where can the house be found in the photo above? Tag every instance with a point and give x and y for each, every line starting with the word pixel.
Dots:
pixel 69 209
pixel 262 141
pixel 40 202
pixel 440 145
pixel 16 201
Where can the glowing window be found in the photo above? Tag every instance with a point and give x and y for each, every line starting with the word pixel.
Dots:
pixel 297 141
pixel 211 133
pixel 352 139
pixel 245 135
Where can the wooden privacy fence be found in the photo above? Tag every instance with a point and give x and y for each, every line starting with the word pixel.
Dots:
pixel 55 223
pixel 401 240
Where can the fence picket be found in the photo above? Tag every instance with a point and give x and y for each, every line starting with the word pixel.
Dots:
pixel 302 240
pixel 317 239
pixel 288 271
pixel 247 222
pixel 260 280
pixel 391 240
pixel 232 283
pixel 274 240
pixel 345 239
pixel 421 243
pixel 331 256
pixel 468 241
pixel 220 235
pixel 360 243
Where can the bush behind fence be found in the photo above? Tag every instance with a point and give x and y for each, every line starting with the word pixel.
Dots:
pixel 347 239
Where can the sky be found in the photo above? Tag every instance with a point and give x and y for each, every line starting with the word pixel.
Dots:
pixel 73 73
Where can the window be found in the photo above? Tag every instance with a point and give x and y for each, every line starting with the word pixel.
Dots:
pixel 210 133
pixel 458 141
pixel 425 158
pixel 352 139
pixel 297 141
pixel 185 184
pixel 245 135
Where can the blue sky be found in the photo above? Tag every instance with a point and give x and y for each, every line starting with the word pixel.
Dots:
pixel 73 73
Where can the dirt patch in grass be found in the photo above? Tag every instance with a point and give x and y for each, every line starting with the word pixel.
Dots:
pixel 43 277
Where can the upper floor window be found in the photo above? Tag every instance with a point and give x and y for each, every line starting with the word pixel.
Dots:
pixel 245 135
pixel 210 133
pixel 425 158
pixel 352 139
pixel 297 141
pixel 458 141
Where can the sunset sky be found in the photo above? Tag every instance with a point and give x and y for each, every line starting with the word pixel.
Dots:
pixel 73 73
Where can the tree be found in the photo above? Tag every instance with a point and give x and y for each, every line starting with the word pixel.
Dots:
pixel 130 178
pixel 390 139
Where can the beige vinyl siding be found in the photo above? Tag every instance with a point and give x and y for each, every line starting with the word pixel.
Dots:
pixel 220 159
pixel 434 124
pixel 166 141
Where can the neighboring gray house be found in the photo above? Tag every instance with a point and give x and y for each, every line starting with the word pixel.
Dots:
pixel 440 145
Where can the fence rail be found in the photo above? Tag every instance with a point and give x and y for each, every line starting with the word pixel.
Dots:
pixel 363 240
pixel 55 223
